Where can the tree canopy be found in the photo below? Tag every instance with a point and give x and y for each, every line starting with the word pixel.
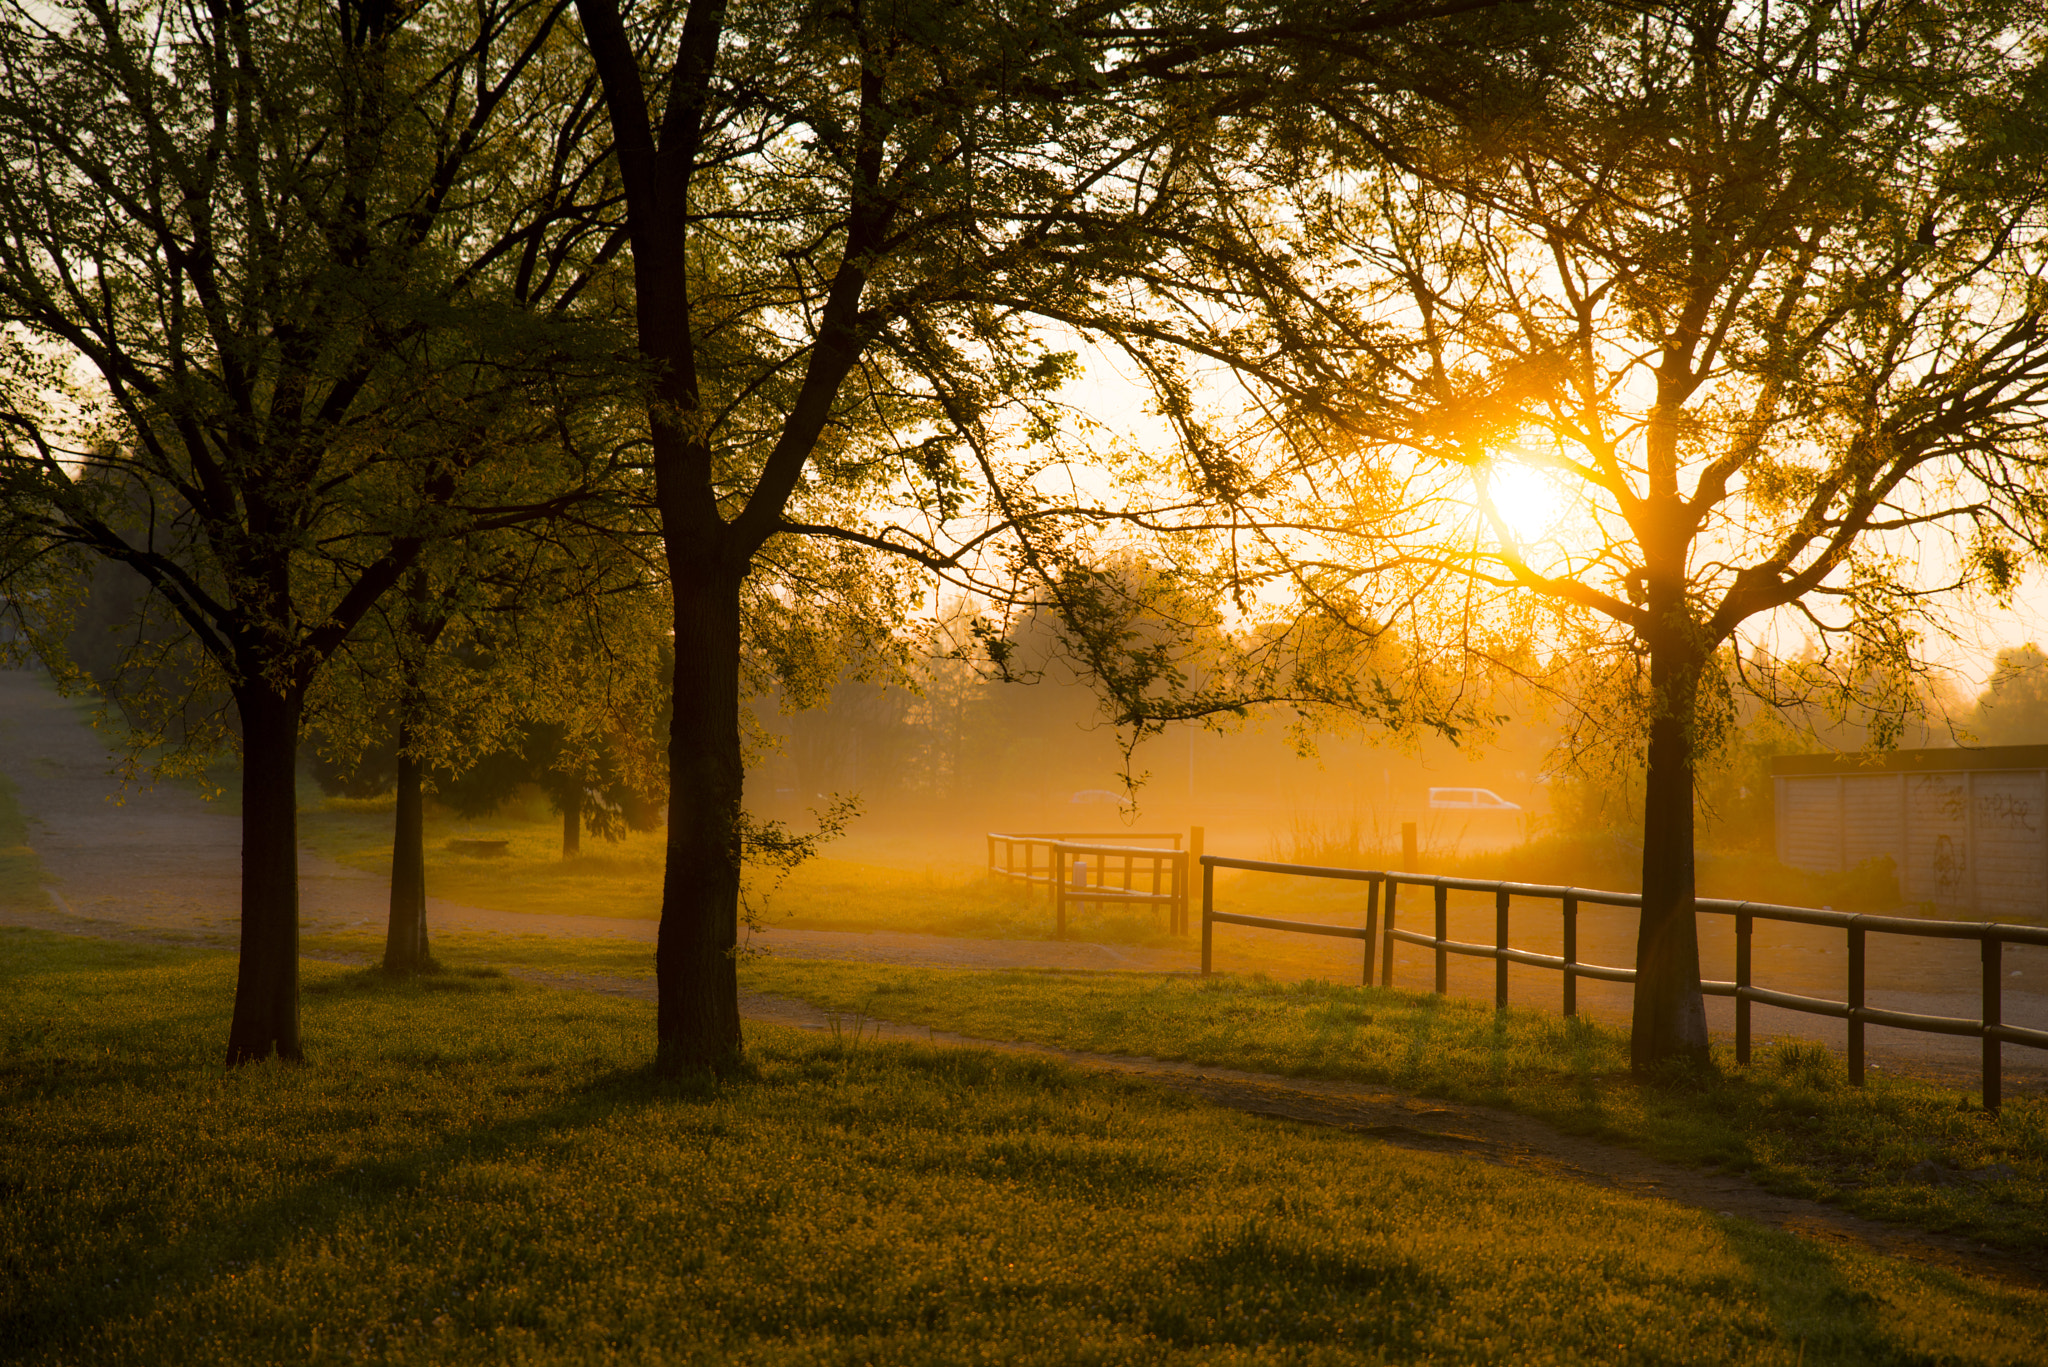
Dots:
pixel 1727 340
pixel 278 285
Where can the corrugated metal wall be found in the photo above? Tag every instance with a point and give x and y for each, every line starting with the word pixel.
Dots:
pixel 2008 842
pixel 1975 841
pixel 1810 823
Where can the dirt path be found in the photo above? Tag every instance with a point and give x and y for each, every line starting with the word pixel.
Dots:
pixel 162 866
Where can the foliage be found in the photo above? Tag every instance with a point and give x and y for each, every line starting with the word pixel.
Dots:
pixel 297 369
pixel 534 1195
pixel 534 657
pixel 2013 709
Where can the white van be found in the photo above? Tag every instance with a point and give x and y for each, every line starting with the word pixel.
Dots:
pixel 1469 800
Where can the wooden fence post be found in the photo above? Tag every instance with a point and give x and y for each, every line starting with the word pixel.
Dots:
pixel 1177 908
pixel 1745 927
pixel 1571 954
pixel 1387 937
pixel 1192 862
pixel 1208 905
pixel 1443 933
pixel 1856 952
pixel 1372 923
pixel 1500 942
pixel 1994 1016
pixel 1059 891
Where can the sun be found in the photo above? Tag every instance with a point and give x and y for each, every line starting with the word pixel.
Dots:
pixel 1527 499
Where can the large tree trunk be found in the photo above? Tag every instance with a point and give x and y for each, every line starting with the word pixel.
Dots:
pixel 405 939
pixel 267 987
pixel 1670 1014
pixel 696 978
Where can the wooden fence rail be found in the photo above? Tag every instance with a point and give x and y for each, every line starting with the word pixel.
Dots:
pixel 1165 865
pixel 1004 865
pixel 1992 936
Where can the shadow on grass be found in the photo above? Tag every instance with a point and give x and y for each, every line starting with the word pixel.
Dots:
pixel 141 1271
pixel 1820 1314
pixel 1415 1059
pixel 436 977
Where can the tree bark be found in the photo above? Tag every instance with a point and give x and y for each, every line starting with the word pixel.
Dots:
pixel 572 819
pixel 405 939
pixel 697 1023
pixel 1670 1013
pixel 266 1018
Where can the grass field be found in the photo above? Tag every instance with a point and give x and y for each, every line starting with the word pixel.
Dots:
pixel 472 1170
pixel 1790 1120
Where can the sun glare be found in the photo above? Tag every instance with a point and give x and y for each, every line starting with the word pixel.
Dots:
pixel 1528 500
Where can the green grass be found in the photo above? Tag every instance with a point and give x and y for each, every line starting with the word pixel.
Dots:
pixel 1790 1120
pixel 471 1170
pixel 841 894
pixel 21 873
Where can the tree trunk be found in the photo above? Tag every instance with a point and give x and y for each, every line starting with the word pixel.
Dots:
pixel 266 1016
pixel 572 820
pixel 696 979
pixel 405 940
pixel 1670 1014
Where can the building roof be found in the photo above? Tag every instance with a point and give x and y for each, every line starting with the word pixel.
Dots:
pixel 1952 759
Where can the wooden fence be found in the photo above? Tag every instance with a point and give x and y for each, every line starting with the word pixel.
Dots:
pixel 1066 868
pixel 1992 936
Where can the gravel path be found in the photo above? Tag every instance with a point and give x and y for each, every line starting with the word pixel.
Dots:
pixel 161 865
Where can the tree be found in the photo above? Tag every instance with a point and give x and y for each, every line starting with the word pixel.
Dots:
pixel 1757 294
pixel 524 656
pixel 2013 708
pixel 316 261
pixel 843 223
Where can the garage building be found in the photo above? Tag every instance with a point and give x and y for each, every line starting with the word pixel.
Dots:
pixel 1967 829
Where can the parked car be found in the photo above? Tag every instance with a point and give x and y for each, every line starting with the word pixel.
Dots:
pixel 1470 800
